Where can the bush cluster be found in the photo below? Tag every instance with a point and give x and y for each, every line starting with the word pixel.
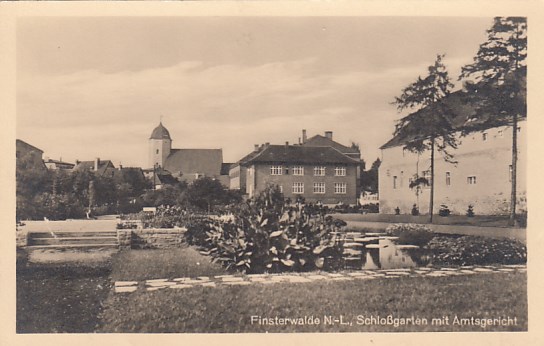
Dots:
pixel 474 250
pixel 408 233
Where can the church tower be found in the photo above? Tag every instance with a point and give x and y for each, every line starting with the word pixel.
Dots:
pixel 160 145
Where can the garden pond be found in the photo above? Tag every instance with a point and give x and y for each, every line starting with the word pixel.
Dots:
pixel 379 251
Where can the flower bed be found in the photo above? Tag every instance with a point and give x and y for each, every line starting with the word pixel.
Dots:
pixel 473 250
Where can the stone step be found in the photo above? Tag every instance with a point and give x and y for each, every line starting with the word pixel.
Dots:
pixel 70 234
pixel 73 246
pixel 73 240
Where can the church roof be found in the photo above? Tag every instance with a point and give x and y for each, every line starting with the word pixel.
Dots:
pixel 160 132
pixel 190 161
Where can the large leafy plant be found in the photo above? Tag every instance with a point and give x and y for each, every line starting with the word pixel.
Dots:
pixel 267 234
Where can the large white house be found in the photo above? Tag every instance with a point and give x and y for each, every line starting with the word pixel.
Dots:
pixel 481 177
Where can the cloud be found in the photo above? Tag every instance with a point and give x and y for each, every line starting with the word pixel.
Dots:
pixel 91 112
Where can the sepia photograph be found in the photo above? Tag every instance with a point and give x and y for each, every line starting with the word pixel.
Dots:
pixel 271 174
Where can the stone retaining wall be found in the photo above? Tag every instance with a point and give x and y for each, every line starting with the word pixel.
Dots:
pixel 153 238
pixel 22 238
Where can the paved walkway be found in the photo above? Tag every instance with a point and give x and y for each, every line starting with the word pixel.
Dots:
pixel 265 279
pixel 491 232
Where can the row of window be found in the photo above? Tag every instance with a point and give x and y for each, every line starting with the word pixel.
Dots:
pixel 319 188
pixel 471 179
pixel 319 171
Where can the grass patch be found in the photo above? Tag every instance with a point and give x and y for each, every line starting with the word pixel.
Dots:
pixel 229 309
pixel 160 264
pixel 55 298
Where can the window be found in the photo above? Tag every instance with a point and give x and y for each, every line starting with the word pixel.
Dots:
pixel 298 188
pixel 157 151
pixel 394 181
pixel 484 136
pixel 510 173
pixel 276 170
pixel 340 188
pixel 298 170
pixel 319 187
pixel 448 179
pixel 340 171
pixel 319 171
pixel 471 180
pixel 427 176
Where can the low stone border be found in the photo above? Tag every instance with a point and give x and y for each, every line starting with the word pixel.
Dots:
pixel 242 280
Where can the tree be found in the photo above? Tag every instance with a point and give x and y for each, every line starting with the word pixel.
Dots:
pixel 206 192
pixel 430 127
pixel 496 83
pixel 369 179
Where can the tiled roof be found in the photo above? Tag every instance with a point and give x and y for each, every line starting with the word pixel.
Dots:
pixel 191 161
pixel 166 178
pixel 225 168
pixel 160 132
pixel 58 162
pixel 463 110
pixel 322 141
pixel 89 165
pixel 300 154
pixel 29 146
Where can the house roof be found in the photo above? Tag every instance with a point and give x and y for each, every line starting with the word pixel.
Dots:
pixel 191 161
pixel 463 108
pixel 322 141
pixel 29 146
pixel 299 154
pixel 225 168
pixel 166 178
pixel 89 165
pixel 58 162
pixel 160 132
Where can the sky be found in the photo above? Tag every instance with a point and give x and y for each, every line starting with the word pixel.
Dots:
pixel 92 87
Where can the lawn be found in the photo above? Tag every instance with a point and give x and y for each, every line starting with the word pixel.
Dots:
pixel 160 264
pixel 61 298
pixel 230 309
pixel 79 298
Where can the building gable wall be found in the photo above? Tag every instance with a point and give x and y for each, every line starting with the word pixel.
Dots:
pixel 487 158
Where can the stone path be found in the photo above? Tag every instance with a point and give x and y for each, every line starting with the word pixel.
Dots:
pixel 266 279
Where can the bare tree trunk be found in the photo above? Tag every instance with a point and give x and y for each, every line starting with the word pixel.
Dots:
pixel 513 196
pixel 432 182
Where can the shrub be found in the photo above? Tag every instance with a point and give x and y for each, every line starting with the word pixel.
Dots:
pixel 397 211
pixel 412 234
pixel 474 250
pixel 415 210
pixel 371 208
pixel 470 210
pixel 444 210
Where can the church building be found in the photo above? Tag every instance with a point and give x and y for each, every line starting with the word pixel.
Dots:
pixel 184 164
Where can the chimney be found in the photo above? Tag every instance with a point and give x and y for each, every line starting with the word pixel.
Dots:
pixel 96 163
pixel 77 162
pixel 286 145
pixel 256 148
pixel 304 136
pixel 266 144
pixel 328 134
pixel 299 142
